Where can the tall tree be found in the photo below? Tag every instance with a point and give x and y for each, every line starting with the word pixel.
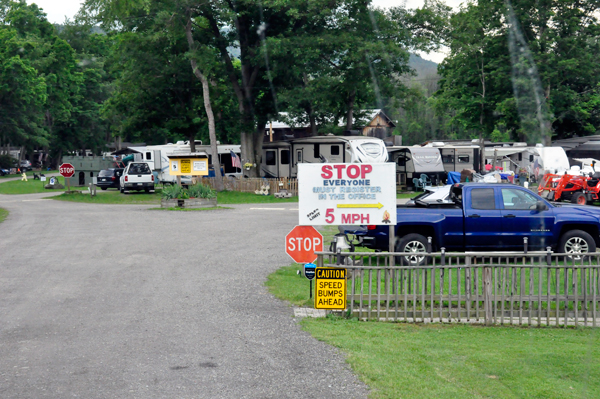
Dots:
pixel 523 68
pixel 22 94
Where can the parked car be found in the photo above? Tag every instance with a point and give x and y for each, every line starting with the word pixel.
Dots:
pixel 25 165
pixel 110 178
pixel 4 172
pixel 137 176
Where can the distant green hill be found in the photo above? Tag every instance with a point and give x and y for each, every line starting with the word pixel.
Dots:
pixel 422 67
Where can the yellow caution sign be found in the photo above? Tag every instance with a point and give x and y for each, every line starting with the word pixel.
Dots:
pixel 330 288
pixel 186 166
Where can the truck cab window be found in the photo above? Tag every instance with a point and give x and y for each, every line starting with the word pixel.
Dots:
pixel 463 159
pixel 483 198
pixel 517 199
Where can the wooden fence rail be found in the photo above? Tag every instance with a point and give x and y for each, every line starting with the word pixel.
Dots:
pixel 532 289
pixel 252 185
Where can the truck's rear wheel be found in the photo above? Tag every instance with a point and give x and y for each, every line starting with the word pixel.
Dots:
pixel 575 243
pixel 415 244
pixel 579 199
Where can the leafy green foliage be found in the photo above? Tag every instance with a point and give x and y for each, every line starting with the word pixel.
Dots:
pixel 171 192
pixel 527 70
pixel 193 191
pixel 6 161
pixel 201 191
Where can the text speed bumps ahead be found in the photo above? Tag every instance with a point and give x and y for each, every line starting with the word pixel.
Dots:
pixel 330 291
pixel 346 194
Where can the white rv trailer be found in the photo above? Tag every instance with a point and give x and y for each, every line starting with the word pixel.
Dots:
pixel 281 158
pixel 157 156
pixel 412 162
pixel 536 160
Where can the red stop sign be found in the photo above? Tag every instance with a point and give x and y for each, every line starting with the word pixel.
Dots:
pixel 66 170
pixel 302 242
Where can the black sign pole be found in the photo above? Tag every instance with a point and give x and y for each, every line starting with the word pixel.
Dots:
pixel 310 281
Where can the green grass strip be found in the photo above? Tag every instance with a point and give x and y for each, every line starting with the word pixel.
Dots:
pixel 236 197
pixel 31 186
pixel 3 214
pixel 461 361
pixel 177 209
pixel 112 197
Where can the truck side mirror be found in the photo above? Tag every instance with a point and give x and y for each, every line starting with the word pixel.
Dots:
pixel 541 206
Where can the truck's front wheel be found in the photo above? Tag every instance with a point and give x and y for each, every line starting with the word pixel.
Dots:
pixel 414 244
pixel 575 243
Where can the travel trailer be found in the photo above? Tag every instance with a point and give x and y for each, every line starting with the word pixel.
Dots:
pixel 536 160
pixel 412 162
pixel 157 156
pixel 281 158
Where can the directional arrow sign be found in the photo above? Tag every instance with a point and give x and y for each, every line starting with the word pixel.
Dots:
pixel 346 194
pixel 378 206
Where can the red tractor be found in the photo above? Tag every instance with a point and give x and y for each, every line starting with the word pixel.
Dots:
pixel 579 190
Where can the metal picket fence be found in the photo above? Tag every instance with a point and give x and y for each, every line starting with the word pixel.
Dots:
pixel 533 289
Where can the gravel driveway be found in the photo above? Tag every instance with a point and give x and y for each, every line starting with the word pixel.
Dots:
pixel 121 301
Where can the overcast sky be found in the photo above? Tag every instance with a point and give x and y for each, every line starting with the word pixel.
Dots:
pixel 58 10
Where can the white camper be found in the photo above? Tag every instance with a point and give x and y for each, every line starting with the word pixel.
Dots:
pixel 281 158
pixel 537 160
pixel 157 156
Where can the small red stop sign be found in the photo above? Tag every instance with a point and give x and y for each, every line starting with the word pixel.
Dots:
pixel 66 170
pixel 302 242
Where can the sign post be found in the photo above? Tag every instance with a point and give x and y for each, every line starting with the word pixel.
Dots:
pixel 344 194
pixel 309 273
pixel 67 171
pixel 301 244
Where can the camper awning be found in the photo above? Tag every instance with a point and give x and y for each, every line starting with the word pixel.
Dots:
pixel 503 151
pixel 426 159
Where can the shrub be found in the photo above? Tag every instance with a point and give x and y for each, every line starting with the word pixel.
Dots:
pixel 7 162
pixel 201 191
pixel 196 191
pixel 171 192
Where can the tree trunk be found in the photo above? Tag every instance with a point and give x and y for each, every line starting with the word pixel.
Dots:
pixel 350 104
pixel 192 140
pixel 313 122
pixel 208 107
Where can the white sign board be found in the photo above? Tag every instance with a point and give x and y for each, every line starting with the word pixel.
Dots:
pixel 199 166
pixel 341 193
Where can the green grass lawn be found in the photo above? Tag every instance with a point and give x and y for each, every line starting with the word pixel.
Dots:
pixel 29 174
pixel 454 361
pixel 461 361
pixel 30 186
pixel 408 194
pixel 236 197
pixel 212 208
pixel 3 214
pixel 113 196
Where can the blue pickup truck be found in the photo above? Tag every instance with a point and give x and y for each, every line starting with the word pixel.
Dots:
pixel 488 217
